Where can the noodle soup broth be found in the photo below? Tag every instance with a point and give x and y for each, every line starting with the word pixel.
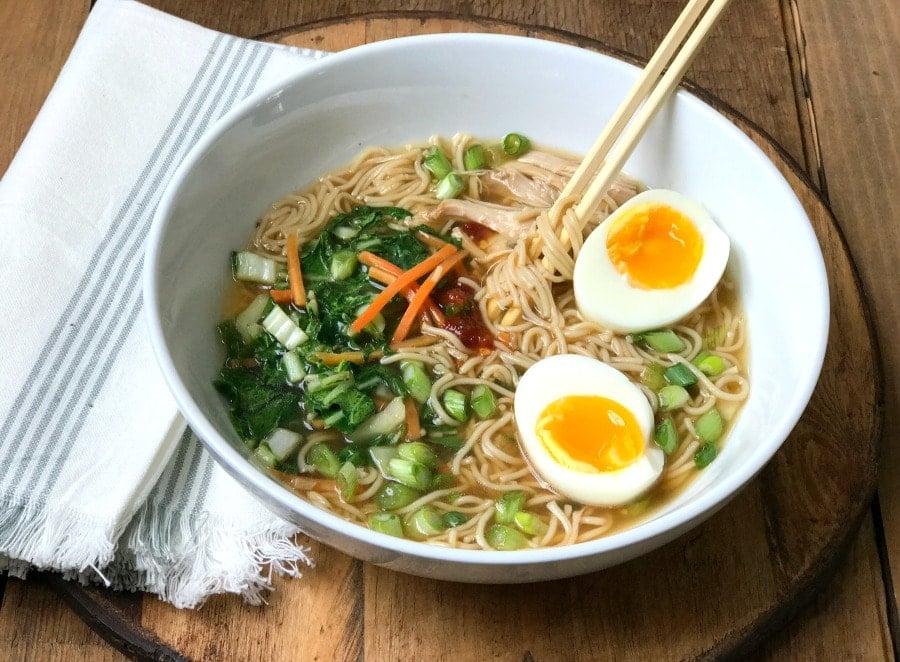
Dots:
pixel 405 422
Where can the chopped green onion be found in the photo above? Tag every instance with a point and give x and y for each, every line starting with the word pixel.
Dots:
pixel 452 441
pixel 530 523
pixel 449 187
pixel 442 481
pixel 393 495
pixel 282 443
pixel 293 366
pixel 454 518
pixel 388 523
pixel 639 507
pixel 455 404
pixel 714 337
pixel 710 364
pixel 411 474
pixel 672 397
pixel 504 538
pixel 423 523
pixel 653 376
pixel 515 144
pixel 416 380
pixel 381 456
pixel 483 402
pixel 705 455
pixel 710 426
pixel 680 374
pixel 662 341
pixel 347 480
pixel 323 460
pixel 508 505
pixel 343 264
pixel 436 163
pixel 474 159
pixel 665 435
pixel 265 456
pixel 420 452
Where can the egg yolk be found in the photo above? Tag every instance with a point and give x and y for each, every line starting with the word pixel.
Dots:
pixel 590 433
pixel 655 246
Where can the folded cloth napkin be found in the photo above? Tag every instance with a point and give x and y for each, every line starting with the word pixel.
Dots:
pixel 98 475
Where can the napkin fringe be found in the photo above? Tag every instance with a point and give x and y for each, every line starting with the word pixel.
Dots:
pixel 184 559
pixel 48 538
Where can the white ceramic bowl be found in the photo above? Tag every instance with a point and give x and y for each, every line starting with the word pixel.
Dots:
pixel 405 90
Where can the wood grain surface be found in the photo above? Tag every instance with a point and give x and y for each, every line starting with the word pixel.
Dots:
pixel 728 585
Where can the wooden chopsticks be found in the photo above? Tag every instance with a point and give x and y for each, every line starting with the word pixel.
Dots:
pixel 651 90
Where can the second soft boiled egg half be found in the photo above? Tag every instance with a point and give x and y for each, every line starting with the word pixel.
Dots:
pixel 650 263
pixel 586 430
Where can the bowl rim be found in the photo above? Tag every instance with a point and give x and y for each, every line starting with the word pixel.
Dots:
pixel 661 527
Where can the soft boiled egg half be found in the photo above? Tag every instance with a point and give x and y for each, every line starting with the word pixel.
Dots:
pixel 586 430
pixel 650 263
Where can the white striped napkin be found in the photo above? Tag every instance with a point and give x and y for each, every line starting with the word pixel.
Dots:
pixel 98 475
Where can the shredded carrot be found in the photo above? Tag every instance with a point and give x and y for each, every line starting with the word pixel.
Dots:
pixel 413 429
pixel 386 277
pixel 437 242
pixel 372 260
pixel 430 239
pixel 295 278
pixel 281 296
pixel 424 290
pixel 506 339
pixel 332 358
pixel 415 341
pixel 406 278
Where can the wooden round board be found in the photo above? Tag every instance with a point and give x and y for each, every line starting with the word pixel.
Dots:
pixel 721 588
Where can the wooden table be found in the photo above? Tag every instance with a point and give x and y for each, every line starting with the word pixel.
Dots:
pixel 818 76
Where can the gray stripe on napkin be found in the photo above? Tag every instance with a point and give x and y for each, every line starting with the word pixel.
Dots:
pixel 68 328
pixel 120 276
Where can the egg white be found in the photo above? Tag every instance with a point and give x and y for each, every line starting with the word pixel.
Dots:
pixel 605 296
pixel 568 374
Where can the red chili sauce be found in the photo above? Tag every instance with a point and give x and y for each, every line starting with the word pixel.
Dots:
pixel 463 318
pixel 476 231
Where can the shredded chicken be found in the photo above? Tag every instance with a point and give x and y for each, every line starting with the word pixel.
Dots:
pixel 514 194
pixel 552 172
pixel 505 185
pixel 509 222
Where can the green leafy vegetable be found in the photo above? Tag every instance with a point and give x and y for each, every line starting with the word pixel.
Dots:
pixel 680 374
pixel 706 454
pixel 454 518
pixel 665 435
pixel 256 388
